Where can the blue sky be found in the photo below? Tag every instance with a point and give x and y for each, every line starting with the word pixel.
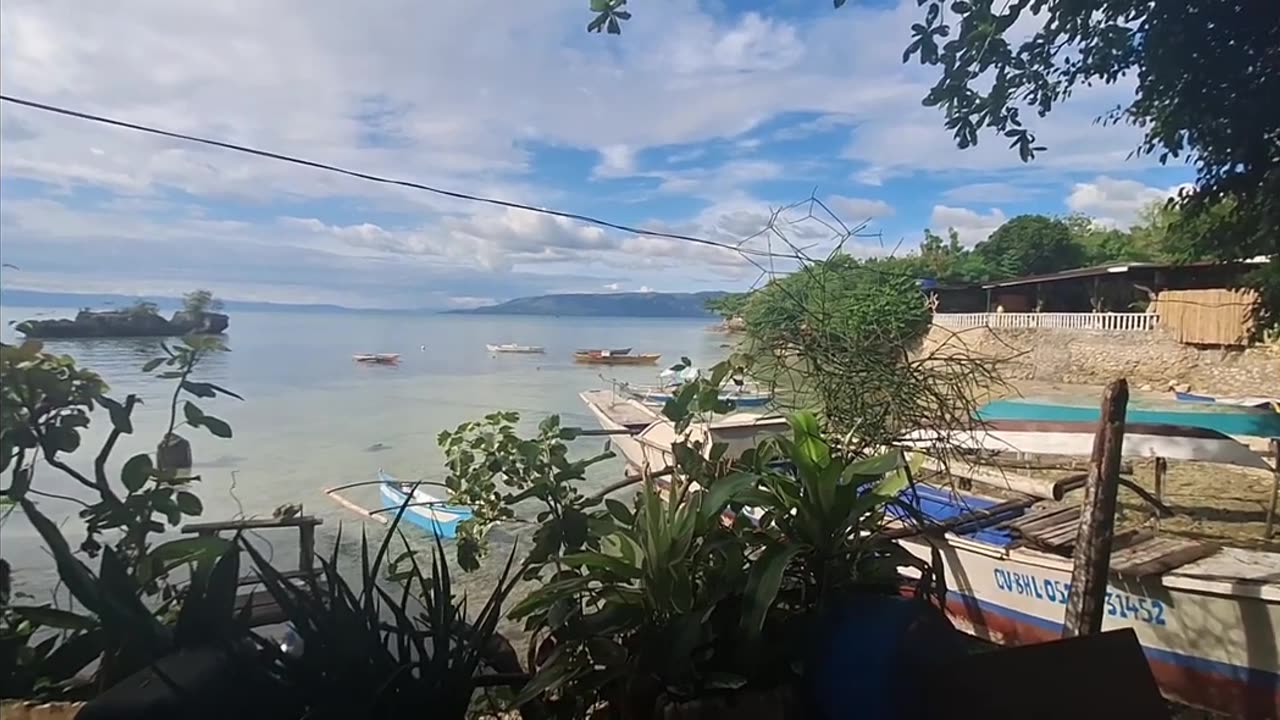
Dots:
pixel 702 118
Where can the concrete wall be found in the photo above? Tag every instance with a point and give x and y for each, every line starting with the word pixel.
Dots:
pixel 1096 357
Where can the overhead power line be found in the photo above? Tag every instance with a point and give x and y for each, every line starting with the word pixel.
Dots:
pixel 638 231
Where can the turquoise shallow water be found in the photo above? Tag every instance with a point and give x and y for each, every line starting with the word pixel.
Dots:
pixel 311 414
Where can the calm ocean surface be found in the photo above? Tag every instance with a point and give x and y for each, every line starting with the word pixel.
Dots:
pixel 311 415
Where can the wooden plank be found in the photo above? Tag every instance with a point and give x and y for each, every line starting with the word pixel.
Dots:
pixel 251 524
pixel 1188 553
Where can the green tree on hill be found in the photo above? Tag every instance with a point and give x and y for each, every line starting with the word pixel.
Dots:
pixel 199 302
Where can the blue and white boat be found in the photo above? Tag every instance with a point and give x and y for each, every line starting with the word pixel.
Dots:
pixel 742 396
pixel 1225 418
pixel 432 514
pixel 1261 403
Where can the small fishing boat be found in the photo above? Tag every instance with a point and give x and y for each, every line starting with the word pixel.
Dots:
pixel 645 436
pixel 609 357
pixel 516 349
pixel 1057 437
pixel 741 395
pixel 1228 419
pixel 426 511
pixel 377 358
pixel 1261 403
pixel 612 351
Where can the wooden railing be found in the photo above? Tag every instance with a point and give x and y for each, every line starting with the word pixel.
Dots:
pixel 1136 322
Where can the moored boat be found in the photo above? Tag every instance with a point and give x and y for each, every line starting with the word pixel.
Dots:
pixel 645 437
pixel 1229 419
pixel 425 510
pixel 1056 437
pixel 1206 617
pixel 377 358
pixel 1262 403
pixel 609 357
pixel 517 349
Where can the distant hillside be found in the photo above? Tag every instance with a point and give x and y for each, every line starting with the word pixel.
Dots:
pixel 605 305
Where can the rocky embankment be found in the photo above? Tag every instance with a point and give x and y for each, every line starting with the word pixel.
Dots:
pixel 118 323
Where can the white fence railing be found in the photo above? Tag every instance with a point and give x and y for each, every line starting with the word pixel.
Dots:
pixel 1048 321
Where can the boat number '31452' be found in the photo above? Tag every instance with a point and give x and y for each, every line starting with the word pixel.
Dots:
pixel 1119 604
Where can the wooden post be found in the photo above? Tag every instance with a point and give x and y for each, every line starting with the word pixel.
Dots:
pixel 1275 486
pixel 306 547
pixel 1092 558
pixel 1162 466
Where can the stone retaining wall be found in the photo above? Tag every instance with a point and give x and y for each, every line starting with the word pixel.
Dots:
pixel 1097 357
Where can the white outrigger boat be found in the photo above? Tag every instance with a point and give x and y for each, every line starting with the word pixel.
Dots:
pixel 516 349
pixel 1208 617
pixel 645 437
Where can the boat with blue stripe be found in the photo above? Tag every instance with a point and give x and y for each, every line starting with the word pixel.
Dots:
pixel 1208 618
pixel 421 508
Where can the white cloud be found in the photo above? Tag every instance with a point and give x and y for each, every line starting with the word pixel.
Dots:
pixel 612 287
pixel 972 226
pixel 855 210
pixel 991 192
pixel 615 161
pixel 1116 203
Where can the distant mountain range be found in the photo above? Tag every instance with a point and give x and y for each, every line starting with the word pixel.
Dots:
pixel 648 304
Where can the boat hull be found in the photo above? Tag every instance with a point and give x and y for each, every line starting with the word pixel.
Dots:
pixel 1206 649
pixel 1228 419
pixel 599 359
pixel 437 519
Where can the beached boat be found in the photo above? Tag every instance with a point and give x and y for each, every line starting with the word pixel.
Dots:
pixel 658 396
pixel 1261 403
pixel 377 358
pixel 514 348
pixel 609 357
pixel 1229 419
pixel 426 511
pixel 1208 619
pixel 645 436
pixel 1141 439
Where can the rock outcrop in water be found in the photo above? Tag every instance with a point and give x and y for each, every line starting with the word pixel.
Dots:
pixel 123 323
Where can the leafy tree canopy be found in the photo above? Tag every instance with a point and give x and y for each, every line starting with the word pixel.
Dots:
pixel 198 302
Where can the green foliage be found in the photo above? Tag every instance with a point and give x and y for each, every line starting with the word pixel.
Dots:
pixel 491 469
pixel 131 603
pixel 372 651
pixel 199 302
pixel 686 591
pixel 1030 245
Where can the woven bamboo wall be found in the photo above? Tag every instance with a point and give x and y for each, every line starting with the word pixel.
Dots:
pixel 1207 317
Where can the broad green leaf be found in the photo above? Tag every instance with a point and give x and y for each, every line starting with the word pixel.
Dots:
pixel 192 413
pixel 199 389
pixel 763 582
pixel 48 616
pixel 619 511
pixel 188 503
pixel 152 364
pixel 166 556
pixel 217 426
pixel 874 465
pixel 137 470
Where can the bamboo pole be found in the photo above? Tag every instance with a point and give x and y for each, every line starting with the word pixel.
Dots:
pixel 333 494
pixel 1092 557
pixel 1275 487
pixel 1162 466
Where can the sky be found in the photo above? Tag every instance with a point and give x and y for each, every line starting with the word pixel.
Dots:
pixel 702 118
